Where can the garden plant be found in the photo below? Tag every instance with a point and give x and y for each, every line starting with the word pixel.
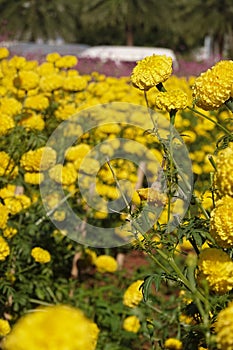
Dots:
pixel 94 169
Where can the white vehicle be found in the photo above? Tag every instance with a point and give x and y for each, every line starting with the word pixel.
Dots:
pixel 127 53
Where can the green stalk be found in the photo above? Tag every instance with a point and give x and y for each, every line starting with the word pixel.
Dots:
pixel 181 276
pixel 211 120
pixel 197 201
pixel 150 113
pixel 142 246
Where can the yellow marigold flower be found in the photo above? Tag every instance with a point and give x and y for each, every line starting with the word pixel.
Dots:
pixel 40 255
pixel 26 80
pixel 111 128
pixel 3 90
pixel 76 152
pixel 17 203
pixel 34 178
pixel 73 129
pixel 107 191
pixel 6 124
pixel 46 68
pixel 38 102
pixel 74 83
pixel 173 344
pixel 136 200
pixel 131 324
pixel 53 199
pixel 59 215
pixel 31 65
pixel 4 52
pixel 7 166
pixel 213 87
pixel 17 62
pixel 53 57
pixel 151 71
pixel 4 327
pixel 224 328
pixel 100 214
pixel 223 177
pixel 65 112
pixel 10 106
pixel 216 267
pixel 89 165
pixel 133 295
pixel 106 263
pixel 66 174
pixel 4 249
pixel 7 191
pixel 67 61
pixel 172 99
pixel 51 82
pixel 34 121
pixel 38 160
pixel 186 320
pixel 221 222
pixel 54 327
pixel 9 232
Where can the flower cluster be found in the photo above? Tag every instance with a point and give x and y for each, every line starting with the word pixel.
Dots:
pixel 35 100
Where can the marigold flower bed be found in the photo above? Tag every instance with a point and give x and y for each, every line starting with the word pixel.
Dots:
pixel 147 158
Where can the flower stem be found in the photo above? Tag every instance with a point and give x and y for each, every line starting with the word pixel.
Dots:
pixel 211 120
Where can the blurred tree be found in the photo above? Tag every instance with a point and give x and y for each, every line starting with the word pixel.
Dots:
pixel 192 20
pixel 32 20
pixel 178 24
pixel 127 14
pixel 217 21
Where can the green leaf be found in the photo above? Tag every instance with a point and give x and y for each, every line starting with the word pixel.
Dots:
pixel 146 286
